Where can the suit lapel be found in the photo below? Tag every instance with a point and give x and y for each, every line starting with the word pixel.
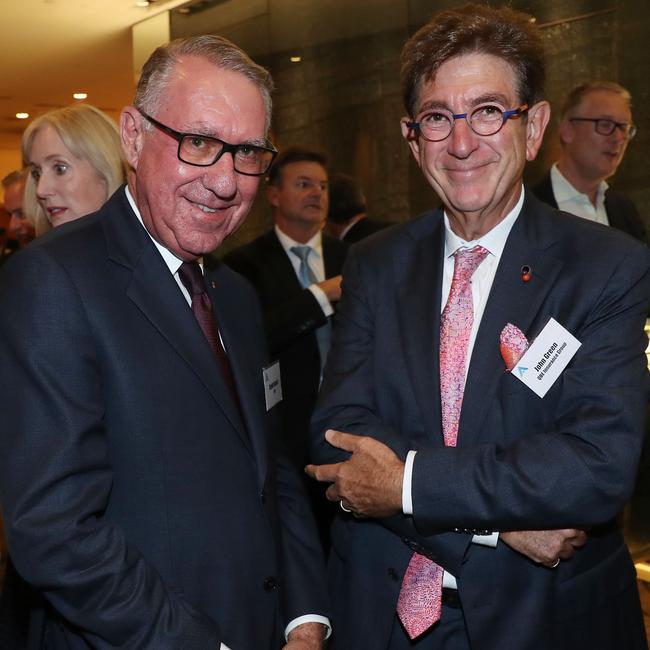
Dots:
pixel 280 264
pixel 155 292
pixel 511 300
pixel 418 313
pixel 245 373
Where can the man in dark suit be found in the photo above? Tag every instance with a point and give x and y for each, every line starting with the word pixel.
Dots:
pixel 484 508
pixel 347 219
pixel 595 129
pixel 143 500
pixel 298 310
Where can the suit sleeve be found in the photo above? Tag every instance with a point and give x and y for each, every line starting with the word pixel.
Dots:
pixel 579 469
pixel 294 315
pixel 349 400
pixel 55 473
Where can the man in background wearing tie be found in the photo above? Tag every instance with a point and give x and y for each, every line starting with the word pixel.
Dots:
pixel 144 501
pixel 479 482
pixel 296 269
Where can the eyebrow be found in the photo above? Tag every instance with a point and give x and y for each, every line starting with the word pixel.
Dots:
pixel 51 157
pixel 486 98
pixel 206 131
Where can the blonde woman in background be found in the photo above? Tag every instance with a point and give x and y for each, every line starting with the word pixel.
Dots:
pixel 75 163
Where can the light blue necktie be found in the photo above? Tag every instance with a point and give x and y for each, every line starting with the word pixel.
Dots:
pixel 307 278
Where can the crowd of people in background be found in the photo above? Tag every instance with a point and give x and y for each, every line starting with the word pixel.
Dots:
pixel 164 407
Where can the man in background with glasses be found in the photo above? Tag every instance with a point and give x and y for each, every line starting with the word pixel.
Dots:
pixel 595 130
pixel 143 498
pixel 479 482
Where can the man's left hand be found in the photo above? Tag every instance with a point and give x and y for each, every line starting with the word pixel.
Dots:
pixel 369 483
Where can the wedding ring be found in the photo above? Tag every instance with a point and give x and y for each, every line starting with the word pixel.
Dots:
pixel 556 563
pixel 348 509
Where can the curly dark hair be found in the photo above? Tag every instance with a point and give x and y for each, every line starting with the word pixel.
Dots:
pixel 500 31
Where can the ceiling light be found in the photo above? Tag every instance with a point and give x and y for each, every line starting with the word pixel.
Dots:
pixel 22 116
pixel 142 3
pixel 295 59
pixel 80 95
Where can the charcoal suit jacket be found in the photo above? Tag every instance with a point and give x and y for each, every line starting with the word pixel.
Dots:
pixel 292 316
pixel 143 505
pixel 522 462
pixel 621 211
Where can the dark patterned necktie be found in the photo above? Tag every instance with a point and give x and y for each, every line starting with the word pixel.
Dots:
pixel 192 279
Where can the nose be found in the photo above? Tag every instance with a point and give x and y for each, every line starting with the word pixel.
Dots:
pixel 462 140
pixel 221 178
pixel 44 187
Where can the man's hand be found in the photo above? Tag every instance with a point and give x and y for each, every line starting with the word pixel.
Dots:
pixel 546 547
pixel 369 483
pixel 332 288
pixel 308 636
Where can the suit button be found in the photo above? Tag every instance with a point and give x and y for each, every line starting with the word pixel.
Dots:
pixel 392 574
pixel 270 584
pixel 263 496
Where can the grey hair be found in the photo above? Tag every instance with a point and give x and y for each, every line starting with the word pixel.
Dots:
pixel 575 97
pixel 156 72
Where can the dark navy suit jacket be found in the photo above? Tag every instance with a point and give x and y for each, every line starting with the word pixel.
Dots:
pixel 522 462
pixel 143 507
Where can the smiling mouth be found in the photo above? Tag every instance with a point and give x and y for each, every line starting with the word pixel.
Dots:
pixel 201 206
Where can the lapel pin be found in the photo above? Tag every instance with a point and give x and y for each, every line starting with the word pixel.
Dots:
pixel 214 284
pixel 526 273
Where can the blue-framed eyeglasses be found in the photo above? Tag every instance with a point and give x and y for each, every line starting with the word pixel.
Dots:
pixel 486 119
pixel 203 150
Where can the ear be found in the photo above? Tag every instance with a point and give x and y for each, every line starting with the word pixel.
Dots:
pixel 567 134
pixel 273 195
pixel 538 118
pixel 131 134
pixel 411 136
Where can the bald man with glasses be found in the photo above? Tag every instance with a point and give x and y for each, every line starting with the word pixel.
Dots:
pixel 595 130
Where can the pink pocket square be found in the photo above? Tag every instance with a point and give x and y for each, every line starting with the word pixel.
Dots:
pixel 513 344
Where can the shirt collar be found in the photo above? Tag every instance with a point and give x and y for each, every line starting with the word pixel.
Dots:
pixel 564 191
pixel 493 241
pixel 172 262
pixel 316 242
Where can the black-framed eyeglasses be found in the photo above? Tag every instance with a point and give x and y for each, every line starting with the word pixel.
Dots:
pixel 203 150
pixel 605 126
pixel 486 119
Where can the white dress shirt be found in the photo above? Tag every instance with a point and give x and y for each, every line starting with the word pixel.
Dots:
pixel 494 242
pixel 570 200
pixel 173 264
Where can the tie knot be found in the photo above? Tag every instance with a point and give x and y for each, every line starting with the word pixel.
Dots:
pixel 467 261
pixel 192 278
pixel 302 252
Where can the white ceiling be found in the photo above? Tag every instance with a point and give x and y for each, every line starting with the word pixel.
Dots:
pixel 52 48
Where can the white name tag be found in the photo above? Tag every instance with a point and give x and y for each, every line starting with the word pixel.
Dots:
pixel 272 385
pixel 546 358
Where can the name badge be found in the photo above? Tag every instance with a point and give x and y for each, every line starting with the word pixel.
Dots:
pixel 546 358
pixel 272 385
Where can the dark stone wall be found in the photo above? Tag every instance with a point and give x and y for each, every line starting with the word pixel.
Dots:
pixel 343 98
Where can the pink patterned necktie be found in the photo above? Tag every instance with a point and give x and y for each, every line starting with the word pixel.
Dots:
pixel 420 599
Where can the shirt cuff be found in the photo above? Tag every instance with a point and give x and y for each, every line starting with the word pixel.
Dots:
pixel 308 618
pixel 407 496
pixel 223 646
pixel 323 301
pixel 486 540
